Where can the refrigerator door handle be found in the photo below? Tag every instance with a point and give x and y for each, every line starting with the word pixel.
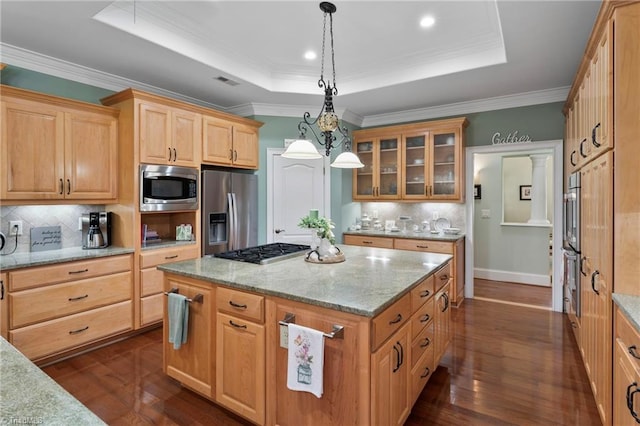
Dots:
pixel 236 231
pixel 232 223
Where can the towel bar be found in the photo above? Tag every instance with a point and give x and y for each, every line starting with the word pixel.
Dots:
pixel 336 333
pixel 199 298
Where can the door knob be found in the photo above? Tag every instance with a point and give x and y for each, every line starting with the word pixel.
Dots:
pixel 279 231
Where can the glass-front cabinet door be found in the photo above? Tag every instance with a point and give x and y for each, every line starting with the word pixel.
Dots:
pixel 380 177
pixel 446 179
pixel 415 160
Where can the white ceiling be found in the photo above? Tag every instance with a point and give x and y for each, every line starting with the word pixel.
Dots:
pixel 387 66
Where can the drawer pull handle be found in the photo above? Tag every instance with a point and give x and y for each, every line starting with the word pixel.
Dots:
pixel 630 399
pixel 237 305
pixel 81 271
pixel 237 325
pixel 426 342
pixel 444 277
pixel 396 320
pixel 573 324
pixel 419 246
pixel 426 373
pixel 425 318
pixel 425 293
pixel 72 299
pixel 367 242
pixel 632 351
pixel 171 257
pixel 80 330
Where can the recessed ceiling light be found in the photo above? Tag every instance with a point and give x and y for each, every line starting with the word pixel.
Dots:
pixel 310 55
pixel 427 21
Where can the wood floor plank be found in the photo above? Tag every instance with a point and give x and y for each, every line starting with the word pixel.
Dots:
pixel 508 292
pixel 506 365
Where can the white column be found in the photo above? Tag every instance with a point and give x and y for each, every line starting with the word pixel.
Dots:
pixel 539 189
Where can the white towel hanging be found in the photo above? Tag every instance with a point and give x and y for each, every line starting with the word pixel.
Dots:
pixel 305 368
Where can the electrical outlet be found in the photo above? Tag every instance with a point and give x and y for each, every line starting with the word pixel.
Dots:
pixel 12 227
pixel 80 223
pixel 485 213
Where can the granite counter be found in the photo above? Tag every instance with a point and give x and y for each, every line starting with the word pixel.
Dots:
pixel 49 257
pixel 29 396
pixel 441 236
pixel 630 306
pixel 365 284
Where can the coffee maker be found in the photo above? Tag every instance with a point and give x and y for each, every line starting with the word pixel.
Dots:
pixel 96 230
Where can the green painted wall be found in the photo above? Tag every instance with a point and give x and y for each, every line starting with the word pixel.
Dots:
pixel 38 82
pixel 540 122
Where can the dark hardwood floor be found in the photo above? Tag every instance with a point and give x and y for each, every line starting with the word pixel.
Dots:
pixel 506 365
pixel 533 296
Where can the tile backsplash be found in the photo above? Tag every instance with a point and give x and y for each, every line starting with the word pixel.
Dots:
pixel 418 212
pixel 34 216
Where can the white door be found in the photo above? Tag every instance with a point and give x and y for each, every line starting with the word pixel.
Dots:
pixel 294 187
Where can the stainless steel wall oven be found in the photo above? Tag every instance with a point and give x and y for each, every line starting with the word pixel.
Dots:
pixel 571 243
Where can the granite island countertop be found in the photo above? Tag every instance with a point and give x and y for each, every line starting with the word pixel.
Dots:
pixel 365 284
pixel 50 257
pixel 29 396
pixel 409 235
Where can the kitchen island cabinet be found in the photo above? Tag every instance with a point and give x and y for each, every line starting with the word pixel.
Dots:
pixel 431 243
pixel 370 295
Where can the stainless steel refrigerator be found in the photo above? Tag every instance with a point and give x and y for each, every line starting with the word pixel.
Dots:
pixel 229 211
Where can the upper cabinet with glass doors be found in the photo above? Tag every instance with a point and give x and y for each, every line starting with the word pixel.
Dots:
pixel 379 179
pixel 428 162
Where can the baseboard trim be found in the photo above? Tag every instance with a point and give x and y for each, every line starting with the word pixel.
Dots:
pixel 513 277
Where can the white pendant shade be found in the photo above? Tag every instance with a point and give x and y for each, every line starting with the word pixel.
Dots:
pixel 347 160
pixel 301 149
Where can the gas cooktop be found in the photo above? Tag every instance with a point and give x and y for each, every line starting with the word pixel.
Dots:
pixel 266 253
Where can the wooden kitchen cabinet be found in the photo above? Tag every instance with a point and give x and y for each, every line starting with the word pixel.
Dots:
pixel 415 162
pixel 57 149
pixel 596 280
pixel 240 353
pixel 169 135
pixel 151 299
pixel 59 308
pixel 193 364
pixel 379 179
pixel 390 380
pixel 626 371
pixel 442 321
pixel 368 241
pixel 229 143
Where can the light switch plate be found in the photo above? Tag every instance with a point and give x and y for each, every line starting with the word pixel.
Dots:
pixel 485 213
pixel 284 336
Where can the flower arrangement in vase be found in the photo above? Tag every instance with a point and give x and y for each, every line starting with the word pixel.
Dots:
pixel 322 240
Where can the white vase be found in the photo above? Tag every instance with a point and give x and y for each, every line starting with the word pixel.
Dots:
pixel 322 245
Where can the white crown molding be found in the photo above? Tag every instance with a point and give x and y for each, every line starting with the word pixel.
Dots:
pixel 52 66
pixel 558 94
pixel 58 68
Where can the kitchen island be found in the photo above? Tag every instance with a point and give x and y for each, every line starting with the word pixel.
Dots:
pixel 392 306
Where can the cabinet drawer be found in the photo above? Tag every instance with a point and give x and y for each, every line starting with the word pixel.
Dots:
pixel 39 340
pixel 628 337
pixel 421 318
pixel 151 281
pixel 156 257
pixel 422 342
pixel 421 372
pixel 41 304
pixel 423 245
pixel 442 276
pixel 422 292
pixel 390 320
pixel 151 309
pixel 366 241
pixel 245 305
pixel 45 275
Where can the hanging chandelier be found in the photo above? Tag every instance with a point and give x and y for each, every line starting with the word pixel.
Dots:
pixel 327 121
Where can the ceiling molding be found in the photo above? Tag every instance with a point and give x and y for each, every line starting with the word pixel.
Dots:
pixel 23 58
pixel 558 94
pixel 34 61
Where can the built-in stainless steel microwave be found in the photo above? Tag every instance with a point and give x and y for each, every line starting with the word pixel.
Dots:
pixel 168 188
pixel 572 213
